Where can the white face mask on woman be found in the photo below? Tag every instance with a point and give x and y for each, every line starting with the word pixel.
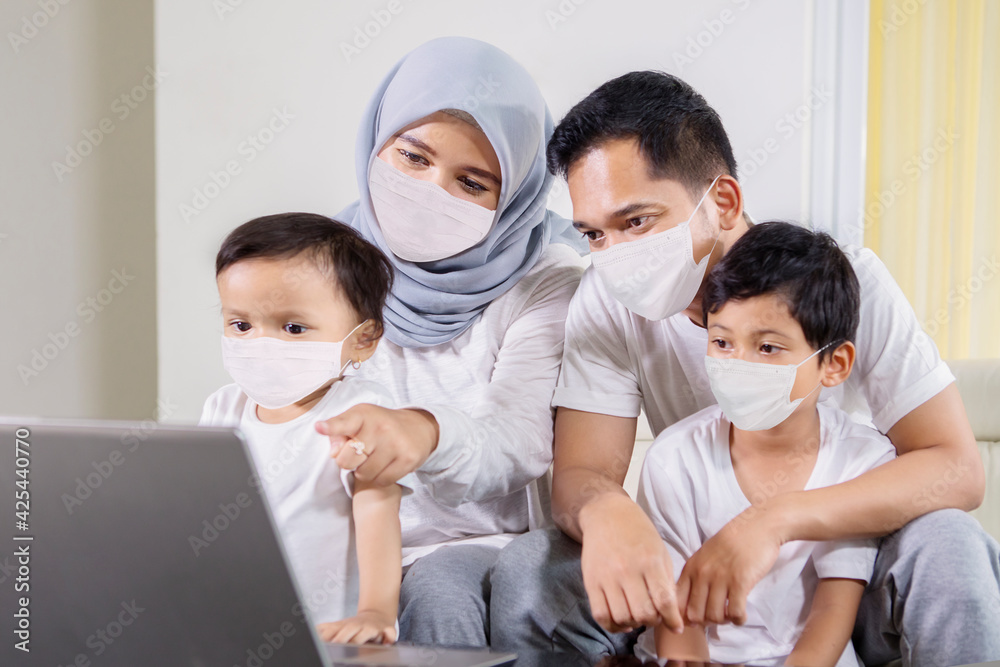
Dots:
pixel 655 277
pixel 275 373
pixel 755 396
pixel 420 221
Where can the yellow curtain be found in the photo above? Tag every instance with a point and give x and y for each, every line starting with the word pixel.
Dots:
pixel 932 186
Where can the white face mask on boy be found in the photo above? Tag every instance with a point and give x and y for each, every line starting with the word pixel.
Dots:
pixel 275 373
pixel 420 221
pixel 655 277
pixel 755 396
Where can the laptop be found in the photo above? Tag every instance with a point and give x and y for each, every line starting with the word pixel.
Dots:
pixel 138 544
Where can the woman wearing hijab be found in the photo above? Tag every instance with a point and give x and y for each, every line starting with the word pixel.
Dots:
pixel 450 162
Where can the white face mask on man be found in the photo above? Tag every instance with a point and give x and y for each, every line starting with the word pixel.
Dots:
pixel 275 373
pixel 656 276
pixel 420 221
pixel 755 396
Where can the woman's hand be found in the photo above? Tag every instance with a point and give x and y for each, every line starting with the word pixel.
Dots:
pixel 380 445
pixel 368 627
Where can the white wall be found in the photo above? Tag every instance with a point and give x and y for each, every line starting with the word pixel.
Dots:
pixel 229 70
pixel 65 229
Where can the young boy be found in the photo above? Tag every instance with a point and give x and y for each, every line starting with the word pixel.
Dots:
pixel 781 310
pixel 302 298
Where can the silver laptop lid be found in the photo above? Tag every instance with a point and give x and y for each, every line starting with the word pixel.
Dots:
pixel 132 546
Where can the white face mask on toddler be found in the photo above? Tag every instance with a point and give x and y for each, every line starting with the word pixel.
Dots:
pixel 755 396
pixel 275 373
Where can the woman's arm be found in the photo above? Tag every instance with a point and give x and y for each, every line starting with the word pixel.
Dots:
pixel 830 623
pixel 500 445
pixel 377 530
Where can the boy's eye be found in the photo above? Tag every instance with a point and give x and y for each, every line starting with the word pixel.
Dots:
pixel 294 329
pixel 242 327
pixel 767 348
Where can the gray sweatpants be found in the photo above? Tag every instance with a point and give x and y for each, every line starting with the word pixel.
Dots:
pixel 445 597
pixel 934 597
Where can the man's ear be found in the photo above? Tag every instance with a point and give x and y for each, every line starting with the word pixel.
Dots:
pixel 837 367
pixel 364 342
pixel 729 200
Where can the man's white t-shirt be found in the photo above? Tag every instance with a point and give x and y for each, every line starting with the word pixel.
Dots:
pixel 490 390
pixel 309 495
pixel 689 490
pixel 616 362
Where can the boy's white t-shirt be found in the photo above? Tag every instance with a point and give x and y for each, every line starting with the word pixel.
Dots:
pixel 615 361
pixel 309 495
pixel 690 491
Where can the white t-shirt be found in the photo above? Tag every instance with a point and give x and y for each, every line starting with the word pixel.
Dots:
pixel 309 495
pixel 490 390
pixel 690 491
pixel 616 361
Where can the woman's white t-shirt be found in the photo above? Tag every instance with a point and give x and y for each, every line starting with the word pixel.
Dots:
pixel 689 490
pixel 490 390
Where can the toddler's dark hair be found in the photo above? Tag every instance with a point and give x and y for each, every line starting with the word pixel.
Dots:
pixel 357 267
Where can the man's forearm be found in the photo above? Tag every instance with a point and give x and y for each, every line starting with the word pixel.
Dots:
pixel 880 501
pixel 580 493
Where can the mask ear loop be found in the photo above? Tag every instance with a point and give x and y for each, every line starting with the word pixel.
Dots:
pixel 700 202
pixel 818 384
pixel 355 365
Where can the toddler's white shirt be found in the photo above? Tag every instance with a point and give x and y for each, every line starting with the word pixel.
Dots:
pixel 308 493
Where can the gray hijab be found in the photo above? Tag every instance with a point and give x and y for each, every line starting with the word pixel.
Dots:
pixel 433 302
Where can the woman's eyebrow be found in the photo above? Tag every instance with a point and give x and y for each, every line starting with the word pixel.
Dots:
pixel 413 141
pixel 482 173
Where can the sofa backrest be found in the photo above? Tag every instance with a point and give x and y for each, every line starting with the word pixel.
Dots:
pixel 978 382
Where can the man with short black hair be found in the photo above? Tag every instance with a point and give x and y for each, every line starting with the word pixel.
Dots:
pixel 653 182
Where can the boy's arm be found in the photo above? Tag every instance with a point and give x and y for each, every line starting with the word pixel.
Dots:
pixel 691 645
pixel 379 545
pixel 938 467
pixel 830 623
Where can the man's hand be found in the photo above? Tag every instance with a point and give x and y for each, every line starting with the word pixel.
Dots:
pixel 365 628
pixel 716 580
pixel 380 445
pixel 626 568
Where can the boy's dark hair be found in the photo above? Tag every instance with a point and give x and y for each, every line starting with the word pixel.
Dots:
pixel 358 268
pixel 805 268
pixel 679 134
